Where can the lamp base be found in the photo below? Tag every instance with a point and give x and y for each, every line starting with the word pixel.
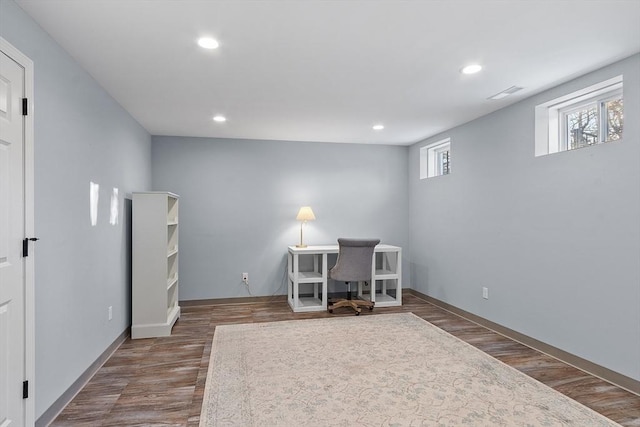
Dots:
pixel 301 246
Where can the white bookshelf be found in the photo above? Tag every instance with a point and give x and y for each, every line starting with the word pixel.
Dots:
pixel 154 298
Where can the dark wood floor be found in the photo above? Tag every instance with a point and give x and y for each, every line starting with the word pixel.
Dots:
pixel 160 381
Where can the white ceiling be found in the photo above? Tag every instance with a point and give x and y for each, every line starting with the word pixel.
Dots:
pixel 328 70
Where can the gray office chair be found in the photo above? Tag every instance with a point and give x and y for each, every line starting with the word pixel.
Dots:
pixel 354 262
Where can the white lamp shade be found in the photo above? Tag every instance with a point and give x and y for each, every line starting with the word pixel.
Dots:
pixel 305 214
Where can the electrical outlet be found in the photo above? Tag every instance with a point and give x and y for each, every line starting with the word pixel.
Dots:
pixel 485 292
pixel 245 278
pixel 110 312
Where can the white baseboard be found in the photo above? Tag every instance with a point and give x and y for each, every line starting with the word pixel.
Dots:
pixel 54 410
pixel 594 369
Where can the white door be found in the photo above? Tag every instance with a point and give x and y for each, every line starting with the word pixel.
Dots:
pixel 12 232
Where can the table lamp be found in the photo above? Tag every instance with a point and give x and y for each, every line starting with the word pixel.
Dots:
pixel 304 214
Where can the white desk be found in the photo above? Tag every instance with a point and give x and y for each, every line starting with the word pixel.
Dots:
pixel 385 288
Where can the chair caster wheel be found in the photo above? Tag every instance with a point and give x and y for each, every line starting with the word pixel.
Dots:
pixel 357 313
pixel 330 311
pixel 371 308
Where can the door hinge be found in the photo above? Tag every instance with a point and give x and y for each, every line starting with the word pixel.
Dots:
pixel 25 245
pixel 25 389
pixel 25 107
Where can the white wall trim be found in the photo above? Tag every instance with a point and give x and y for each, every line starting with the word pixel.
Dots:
pixel 12 52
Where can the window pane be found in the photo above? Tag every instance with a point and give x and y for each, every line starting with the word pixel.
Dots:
pixel 589 116
pixel 615 119
pixel 443 162
pixel 582 127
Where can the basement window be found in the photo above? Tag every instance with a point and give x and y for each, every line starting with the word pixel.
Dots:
pixel 435 159
pixel 590 116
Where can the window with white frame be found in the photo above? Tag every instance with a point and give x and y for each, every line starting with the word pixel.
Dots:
pixel 593 115
pixel 435 159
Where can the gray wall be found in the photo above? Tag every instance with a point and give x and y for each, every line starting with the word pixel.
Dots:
pixel 81 135
pixel 239 200
pixel 556 238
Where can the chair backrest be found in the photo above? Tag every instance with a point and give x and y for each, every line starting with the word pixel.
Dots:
pixel 354 260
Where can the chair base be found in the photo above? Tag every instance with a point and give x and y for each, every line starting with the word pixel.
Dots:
pixel 355 304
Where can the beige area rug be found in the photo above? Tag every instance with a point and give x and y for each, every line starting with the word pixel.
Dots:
pixel 383 370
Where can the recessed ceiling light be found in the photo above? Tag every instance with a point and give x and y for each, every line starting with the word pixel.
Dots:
pixel 208 43
pixel 219 119
pixel 378 127
pixel 471 69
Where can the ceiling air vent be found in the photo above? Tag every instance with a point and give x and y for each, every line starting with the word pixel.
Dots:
pixel 506 92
